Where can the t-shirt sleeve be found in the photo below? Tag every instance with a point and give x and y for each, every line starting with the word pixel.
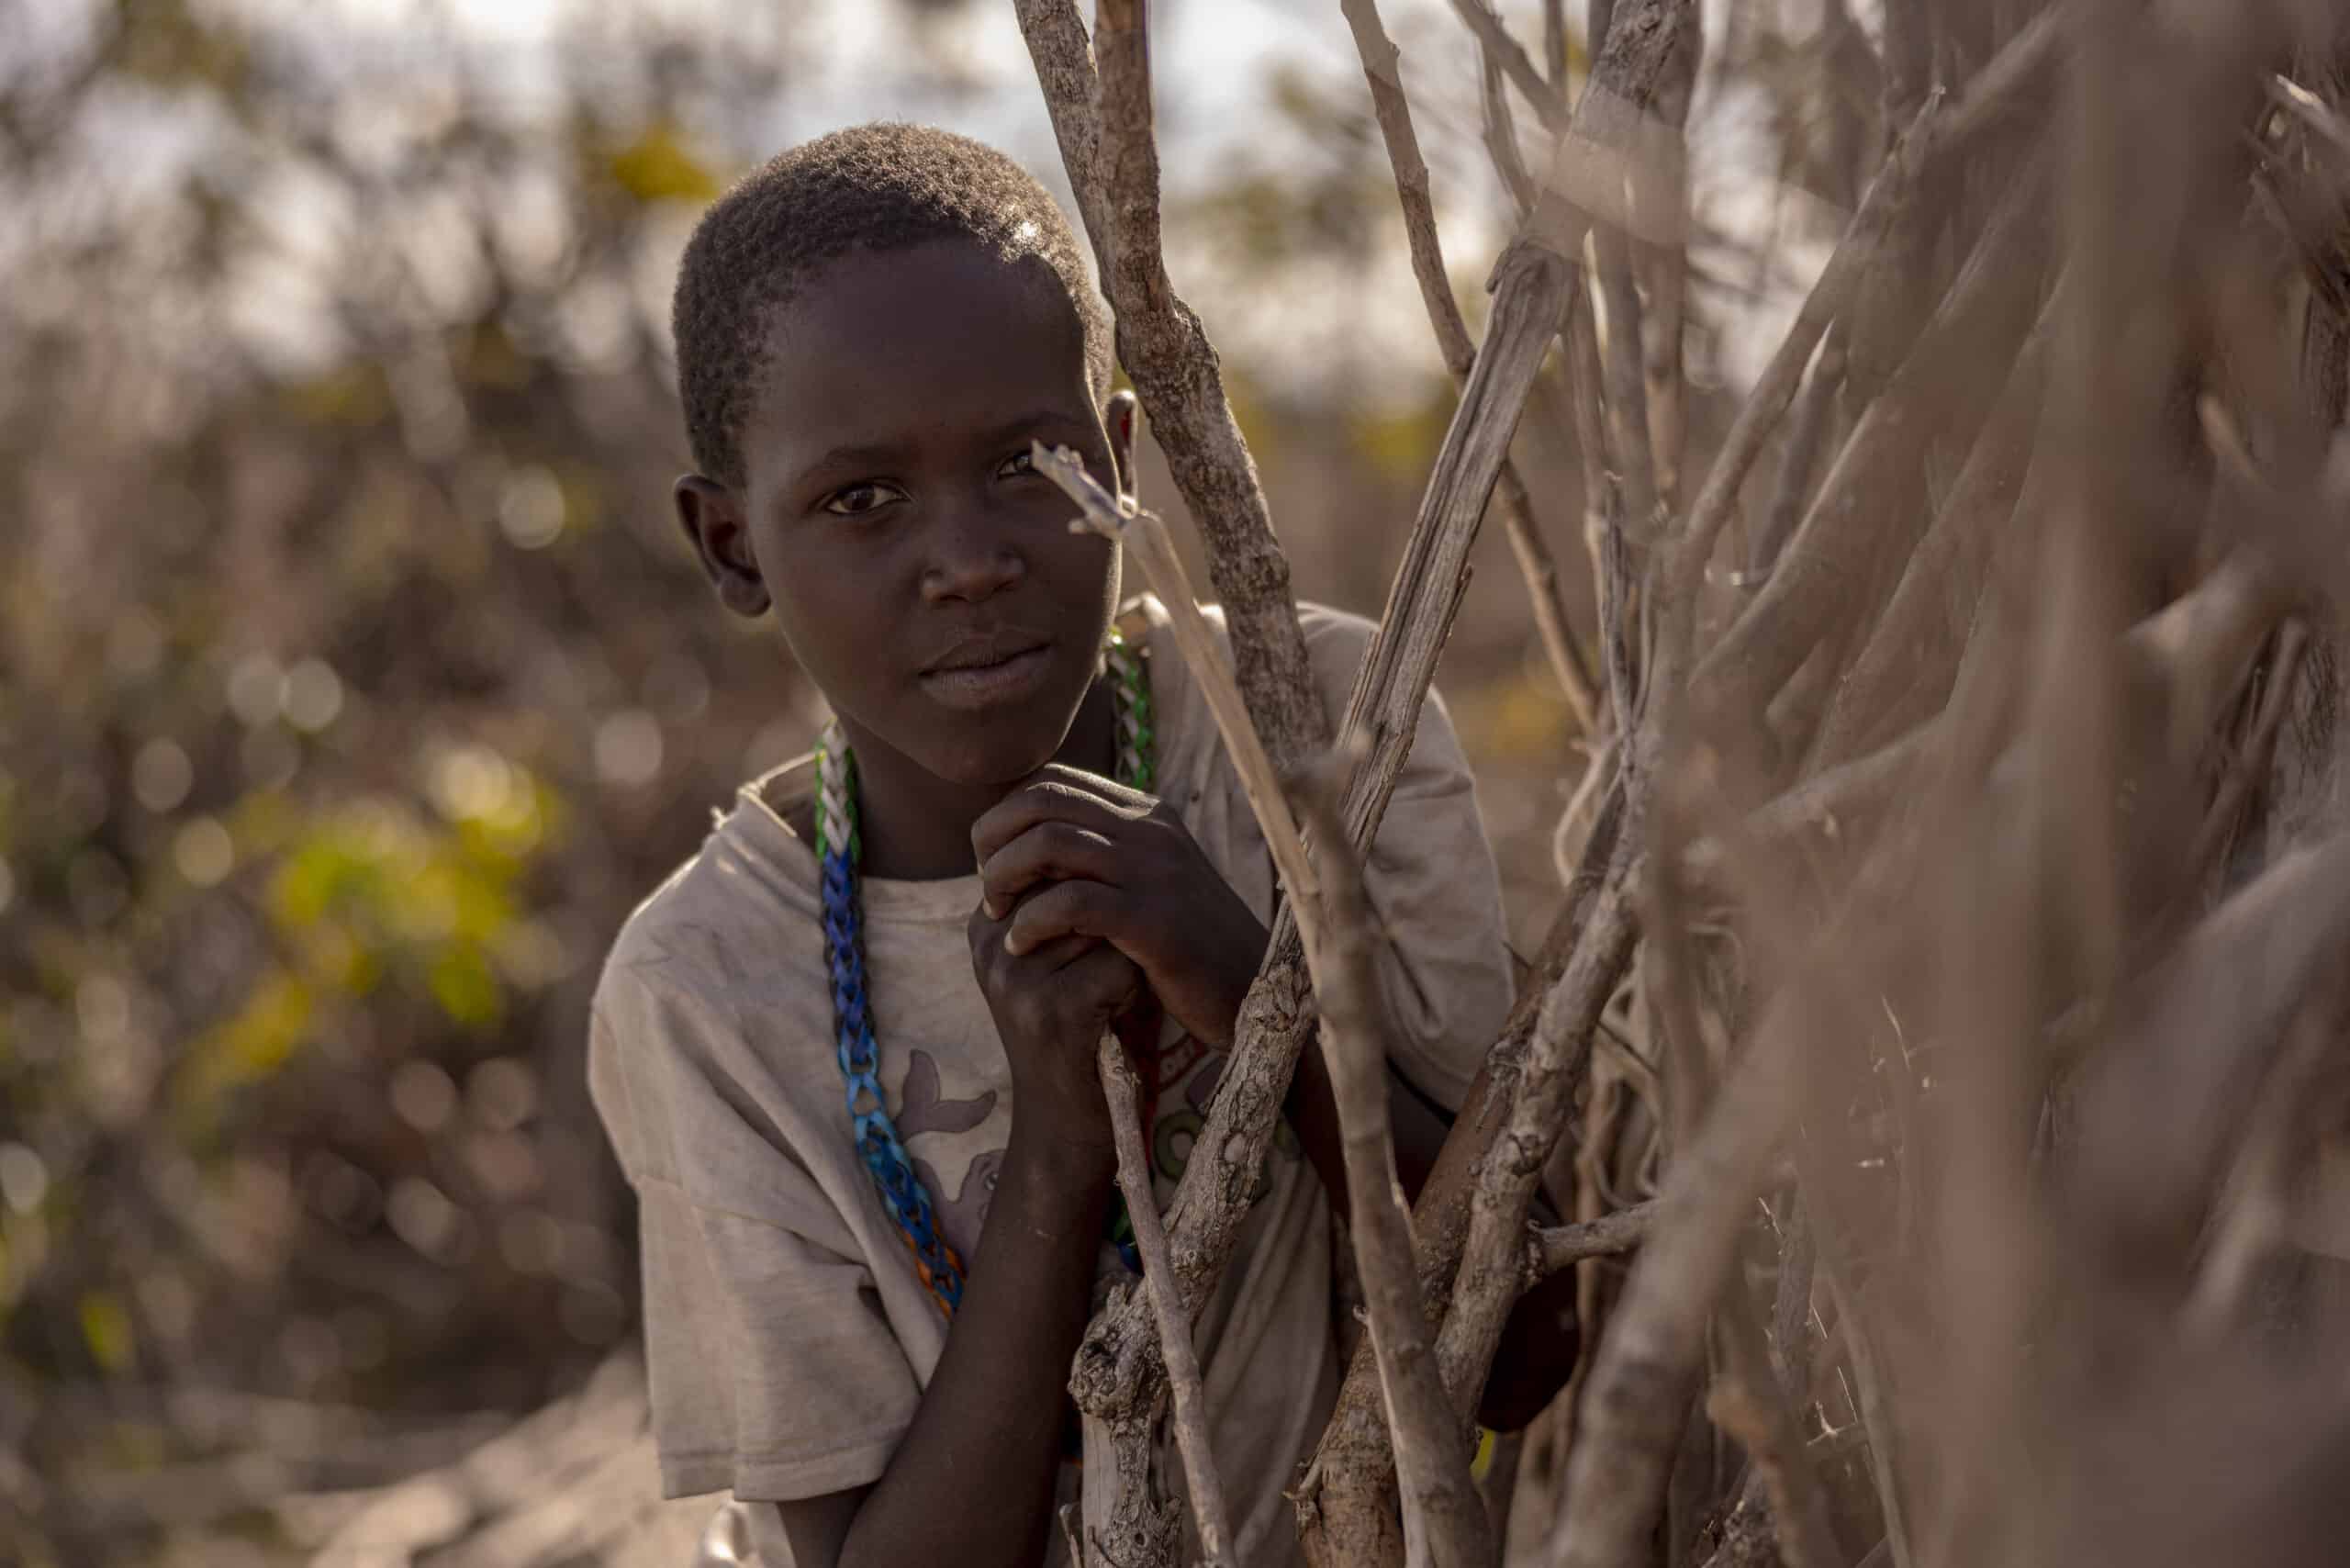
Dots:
pixel 773 1372
pixel 1445 975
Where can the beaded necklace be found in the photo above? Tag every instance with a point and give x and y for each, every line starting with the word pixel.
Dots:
pixel 838 851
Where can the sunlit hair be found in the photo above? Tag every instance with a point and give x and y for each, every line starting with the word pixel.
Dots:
pixel 877 187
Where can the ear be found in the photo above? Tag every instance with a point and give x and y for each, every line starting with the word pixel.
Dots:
pixel 1121 415
pixel 712 519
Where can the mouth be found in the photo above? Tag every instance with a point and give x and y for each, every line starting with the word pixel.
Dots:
pixel 982 677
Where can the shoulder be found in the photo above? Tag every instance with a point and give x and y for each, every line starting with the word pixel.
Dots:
pixel 711 999
pixel 751 880
pixel 737 917
pixel 1334 640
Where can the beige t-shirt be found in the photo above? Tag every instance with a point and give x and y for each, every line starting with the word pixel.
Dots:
pixel 787 1337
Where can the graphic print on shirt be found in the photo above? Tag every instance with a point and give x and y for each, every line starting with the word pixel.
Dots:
pixel 959 1171
pixel 964 1213
pixel 1181 1115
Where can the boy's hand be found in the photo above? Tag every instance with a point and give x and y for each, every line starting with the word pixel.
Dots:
pixel 1070 855
pixel 1051 1002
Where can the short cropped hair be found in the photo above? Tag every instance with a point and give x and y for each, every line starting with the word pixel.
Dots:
pixel 877 187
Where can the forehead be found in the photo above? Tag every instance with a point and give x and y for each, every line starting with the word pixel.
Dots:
pixel 938 335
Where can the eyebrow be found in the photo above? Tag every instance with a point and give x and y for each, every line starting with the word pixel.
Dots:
pixel 883 454
pixel 1011 428
pixel 870 454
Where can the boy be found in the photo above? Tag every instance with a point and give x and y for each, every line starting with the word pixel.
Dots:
pixel 846 1053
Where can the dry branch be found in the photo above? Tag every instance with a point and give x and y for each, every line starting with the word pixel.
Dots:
pixel 1486 1285
pixel 1444 1519
pixel 1905 670
pixel 1102 118
pixel 1383 715
pixel 1807 434
pixel 1631 1411
pixel 1381 64
pixel 1120 1087
pixel 1494 38
pixel 1836 566
pixel 1749 1404
pixel 1345 1500
pixel 1563 1246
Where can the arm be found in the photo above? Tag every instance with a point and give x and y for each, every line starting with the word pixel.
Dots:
pixel 1072 853
pixel 971 1483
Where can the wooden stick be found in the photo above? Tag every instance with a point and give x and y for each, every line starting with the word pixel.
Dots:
pixel 1491 1275
pixel 1859 526
pixel 1749 1404
pixel 1630 1422
pixel 1493 38
pixel 1444 1519
pixel 1563 1246
pixel 1121 1087
pixel 1099 96
pixel 1380 62
pixel 1144 536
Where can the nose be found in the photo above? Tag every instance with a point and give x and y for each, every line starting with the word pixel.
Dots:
pixel 972 556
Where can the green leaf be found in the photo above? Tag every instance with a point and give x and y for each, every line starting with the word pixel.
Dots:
pixel 105 1328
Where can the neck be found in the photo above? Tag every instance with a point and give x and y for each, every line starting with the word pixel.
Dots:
pixel 917 826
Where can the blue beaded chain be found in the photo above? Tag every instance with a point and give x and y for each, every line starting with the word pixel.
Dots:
pixel 838 851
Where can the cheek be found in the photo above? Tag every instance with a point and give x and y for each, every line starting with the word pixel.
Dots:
pixel 830 612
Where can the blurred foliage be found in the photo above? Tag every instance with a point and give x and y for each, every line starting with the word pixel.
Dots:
pixel 356 686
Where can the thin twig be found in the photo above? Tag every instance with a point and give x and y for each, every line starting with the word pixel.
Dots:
pixel 1554 1066
pixel 1791 490
pixel 1750 1405
pixel 1718 497
pixel 1876 1417
pixel 1120 1086
pixel 2251 764
pixel 1563 1246
pixel 1494 37
pixel 1499 128
pixel 1144 537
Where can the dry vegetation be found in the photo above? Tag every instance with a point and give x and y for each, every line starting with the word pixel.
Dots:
pixel 1936 1047
pixel 1953 919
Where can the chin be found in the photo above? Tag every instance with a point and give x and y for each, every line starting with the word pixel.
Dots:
pixel 990 749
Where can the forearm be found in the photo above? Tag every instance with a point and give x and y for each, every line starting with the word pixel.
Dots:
pixel 1312 1111
pixel 972 1481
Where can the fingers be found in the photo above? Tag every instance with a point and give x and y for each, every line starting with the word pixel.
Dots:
pixel 1103 982
pixel 1047 852
pixel 989 951
pixel 1064 909
pixel 1056 793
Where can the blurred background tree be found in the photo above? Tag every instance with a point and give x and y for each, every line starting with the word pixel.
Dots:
pixel 354 683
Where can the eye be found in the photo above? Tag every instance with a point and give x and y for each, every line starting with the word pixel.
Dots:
pixel 1019 464
pixel 865 497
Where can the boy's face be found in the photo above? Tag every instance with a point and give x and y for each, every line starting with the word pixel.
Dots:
pixel 924 577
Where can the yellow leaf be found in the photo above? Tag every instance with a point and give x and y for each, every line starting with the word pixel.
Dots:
pixel 657 166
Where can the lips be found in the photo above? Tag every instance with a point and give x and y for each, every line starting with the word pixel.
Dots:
pixel 988 671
